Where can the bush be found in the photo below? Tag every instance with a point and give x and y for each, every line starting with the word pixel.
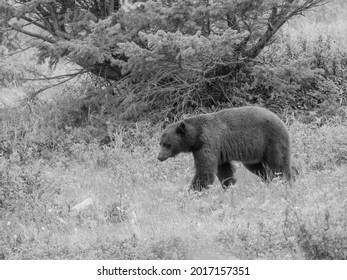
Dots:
pixel 302 73
pixel 319 148
pixel 324 243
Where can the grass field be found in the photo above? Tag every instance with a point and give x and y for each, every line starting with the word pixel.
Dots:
pixel 138 208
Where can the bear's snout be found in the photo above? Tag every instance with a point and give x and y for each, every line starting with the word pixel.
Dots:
pixel 161 158
pixel 164 155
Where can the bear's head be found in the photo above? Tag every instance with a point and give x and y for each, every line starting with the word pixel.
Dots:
pixel 175 139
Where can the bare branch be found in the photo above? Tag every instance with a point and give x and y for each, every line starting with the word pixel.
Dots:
pixel 34 22
pixel 32 34
pixel 45 78
pixel 70 77
pixel 15 53
pixel 277 19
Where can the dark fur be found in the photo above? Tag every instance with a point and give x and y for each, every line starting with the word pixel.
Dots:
pixel 252 135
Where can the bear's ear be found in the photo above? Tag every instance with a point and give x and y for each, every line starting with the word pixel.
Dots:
pixel 181 129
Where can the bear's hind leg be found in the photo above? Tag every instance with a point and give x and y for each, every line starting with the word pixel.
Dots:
pixel 225 174
pixel 277 161
pixel 259 170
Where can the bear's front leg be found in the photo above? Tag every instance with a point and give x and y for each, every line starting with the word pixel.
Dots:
pixel 206 167
pixel 201 181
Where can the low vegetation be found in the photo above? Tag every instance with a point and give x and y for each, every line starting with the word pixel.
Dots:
pixel 141 209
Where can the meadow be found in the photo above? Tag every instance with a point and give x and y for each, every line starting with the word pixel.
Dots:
pixel 65 195
pixel 138 208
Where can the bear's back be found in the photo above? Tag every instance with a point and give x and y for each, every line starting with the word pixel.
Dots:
pixel 245 132
pixel 250 117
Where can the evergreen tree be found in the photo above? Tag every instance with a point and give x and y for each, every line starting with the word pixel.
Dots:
pixel 111 42
pixel 171 55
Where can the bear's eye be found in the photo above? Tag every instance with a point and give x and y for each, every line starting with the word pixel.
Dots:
pixel 167 145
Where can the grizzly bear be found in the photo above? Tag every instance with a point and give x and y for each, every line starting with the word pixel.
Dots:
pixel 252 135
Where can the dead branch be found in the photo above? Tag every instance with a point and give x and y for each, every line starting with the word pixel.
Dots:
pixel 278 18
pixel 45 78
pixel 34 94
pixel 32 34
